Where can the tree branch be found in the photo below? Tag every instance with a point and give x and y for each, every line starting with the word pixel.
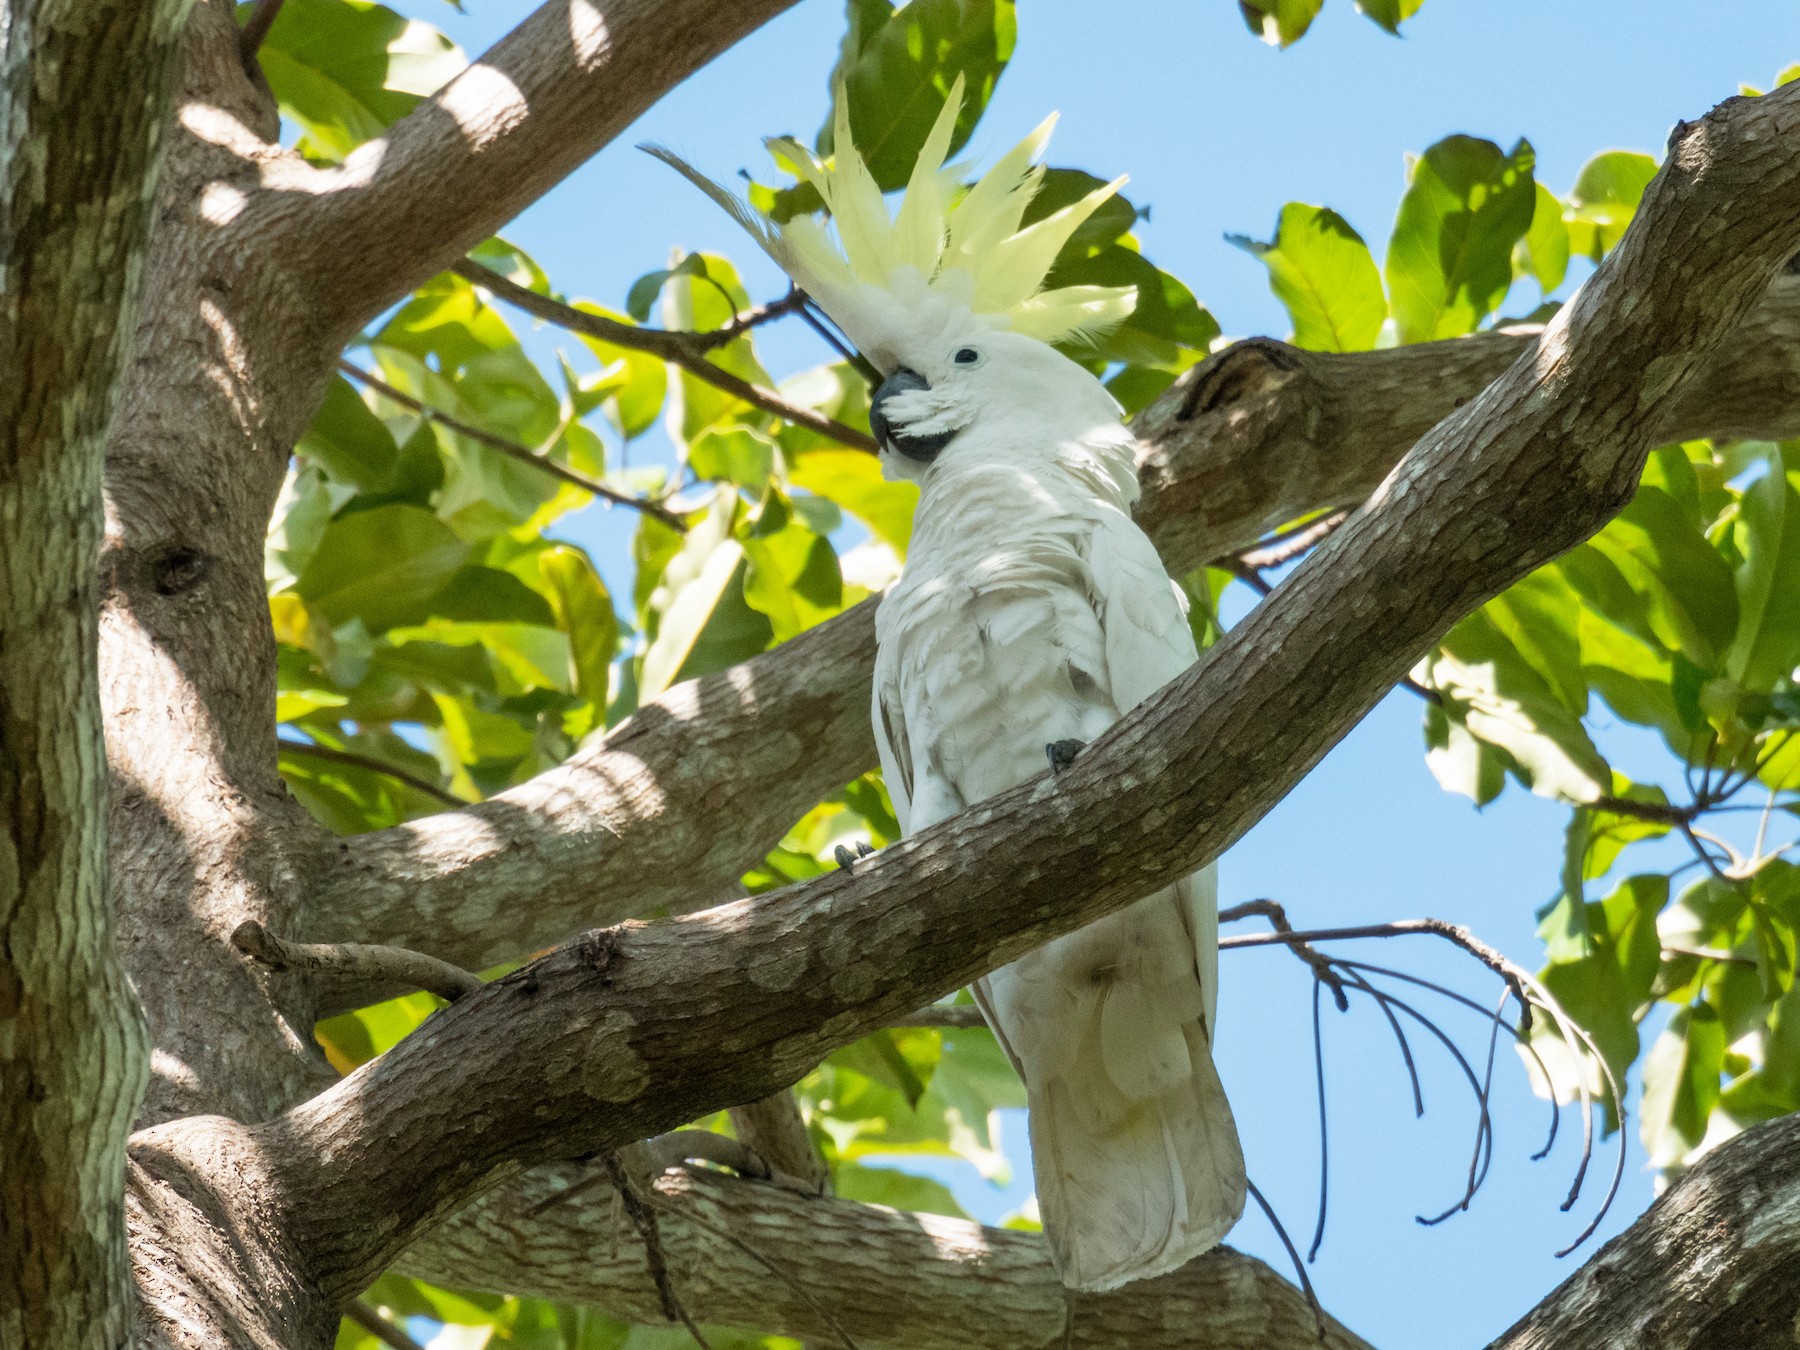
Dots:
pixel 356 961
pixel 513 450
pixel 918 1280
pixel 1714 1262
pixel 557 88
pixel 686 350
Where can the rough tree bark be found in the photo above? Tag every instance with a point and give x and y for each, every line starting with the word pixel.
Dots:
pixel 258 1201
pixel 84 92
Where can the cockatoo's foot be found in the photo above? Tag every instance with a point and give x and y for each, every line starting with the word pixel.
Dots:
pixel 848 860
pixel 1061 754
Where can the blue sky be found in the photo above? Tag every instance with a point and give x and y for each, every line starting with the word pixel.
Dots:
pixel 1217 131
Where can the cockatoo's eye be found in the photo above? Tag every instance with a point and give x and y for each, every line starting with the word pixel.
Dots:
pixel 967 356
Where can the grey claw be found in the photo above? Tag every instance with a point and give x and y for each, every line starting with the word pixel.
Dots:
pixel 848 860
pixel 1061 754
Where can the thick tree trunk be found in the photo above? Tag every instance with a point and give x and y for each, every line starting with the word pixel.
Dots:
pixel 83 103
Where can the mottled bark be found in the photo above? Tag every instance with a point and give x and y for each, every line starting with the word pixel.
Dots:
pixel 83 99
pixel 921 1281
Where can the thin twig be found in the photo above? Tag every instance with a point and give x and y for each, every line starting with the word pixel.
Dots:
pixel 679 1147
pixel 356 960
pixel 256 28
pixel 1515 976
pixel 644 1220
pixel 1709 954
pixel 350 757
pixel 941 1015
pixel 1306 1287
pixel 1657 813
pixel 1523 1041
pixel 1272 911
pixel 524 454
pixel 774 1268
pixel 678 349
pixel 739 324
pixel 378 1326
pixel 1282 548
pixel 1312 1253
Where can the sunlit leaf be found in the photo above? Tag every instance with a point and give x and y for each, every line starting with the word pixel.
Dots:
pixel 1321 270
pixel 1449 262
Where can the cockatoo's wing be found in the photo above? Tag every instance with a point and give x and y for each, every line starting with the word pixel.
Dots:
pixel 1138 1163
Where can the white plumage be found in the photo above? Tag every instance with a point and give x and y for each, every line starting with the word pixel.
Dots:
pixel 1031 610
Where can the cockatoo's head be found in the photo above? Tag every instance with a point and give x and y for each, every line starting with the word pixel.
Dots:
pixel 986 391
pixel 945 295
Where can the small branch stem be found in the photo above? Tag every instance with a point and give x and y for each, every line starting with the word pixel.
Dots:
pixel 687 350
pixel 356 960
pixel 256 28
pixel 941 1015
pixel 512 449
pixel 1272 911
pixel 350 757
pixel 1518 980
pixel 379 1327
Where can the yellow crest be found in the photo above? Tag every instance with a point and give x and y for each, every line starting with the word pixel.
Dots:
pixel 947 260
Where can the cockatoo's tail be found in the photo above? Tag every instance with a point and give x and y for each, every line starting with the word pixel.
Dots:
pixel 950 262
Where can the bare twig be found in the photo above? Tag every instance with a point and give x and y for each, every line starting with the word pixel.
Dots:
pixel 1318 1031
pixel 942 1015
pixel 350 757
pixel 378 1326
pixel 774 1268
pixel 1306 1287
pixel 512 449
pixel 1515 976
pixel 738 324
pixel 356 960
pixel 774 1128
pixel 1287 545
pixel 256 27
pixel 1278 920
pixel 644 1220
pixel 1657 813
pixel 679 1147
pixel 1709 954
pixel 680 349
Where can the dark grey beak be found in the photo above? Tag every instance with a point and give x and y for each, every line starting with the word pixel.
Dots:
pixel 922 448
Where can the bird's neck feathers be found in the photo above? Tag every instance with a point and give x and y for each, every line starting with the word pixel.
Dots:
pixel 1099 463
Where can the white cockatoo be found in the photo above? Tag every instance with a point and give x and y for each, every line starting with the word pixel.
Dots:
pixel 1031 614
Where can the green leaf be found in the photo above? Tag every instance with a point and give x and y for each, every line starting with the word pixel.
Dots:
pixel 1449 262
pixel 702 580
pixel 584 611
pixel 1544 251
pixel 383 566
pixel 901 77
pixel 641 298
pixel 1767 539
pixel 1389 13
pixel 1321 270
pixel 1168 327
pixel 853 481
pixel 1604 199
pixel 1605 988
pixel 1495 695
pixel 1108 225
pixel 346 70
pixel 1279 22
pixel 350 442
pixel 793 578
pixel 1681 1084
pixel 1685 586
pixel 733 454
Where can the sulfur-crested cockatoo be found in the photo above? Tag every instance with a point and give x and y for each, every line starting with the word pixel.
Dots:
pixel 1032 613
